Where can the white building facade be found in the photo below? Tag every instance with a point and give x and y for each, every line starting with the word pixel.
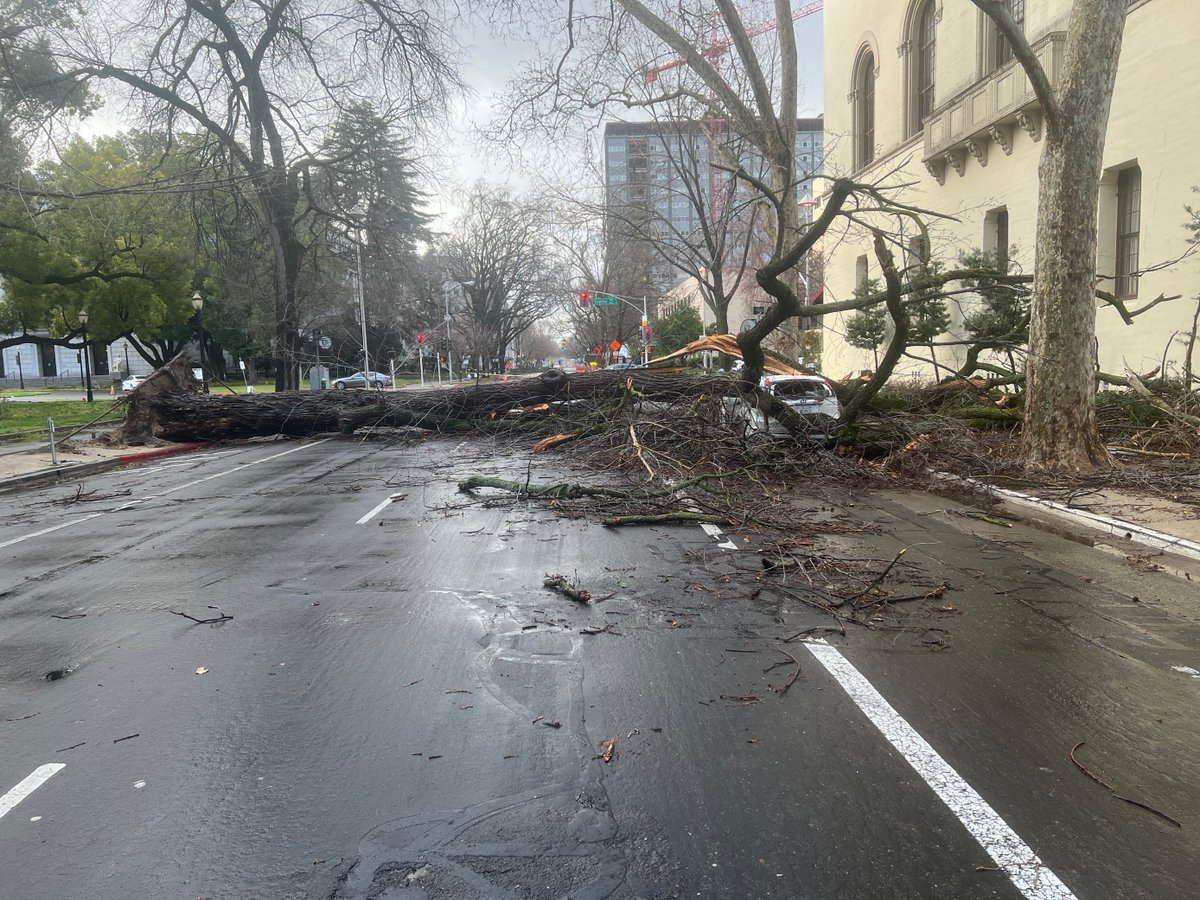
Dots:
pixel 925 93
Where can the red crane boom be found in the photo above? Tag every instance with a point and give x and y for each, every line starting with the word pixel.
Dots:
pixel 715 50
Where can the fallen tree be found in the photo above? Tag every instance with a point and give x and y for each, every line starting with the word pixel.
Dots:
pixel 170 405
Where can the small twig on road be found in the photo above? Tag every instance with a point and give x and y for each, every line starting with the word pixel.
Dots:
pixel 1112 790
pixel 66 618
pixel 560 584
pixel 806 632
pixel 220 618
pixel 73 746
pixel 657 518
pixel 22 718
pixel 127 737
pixel 878 578
pixel 795 672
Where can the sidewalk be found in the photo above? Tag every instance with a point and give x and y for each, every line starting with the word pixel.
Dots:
pixel 31 464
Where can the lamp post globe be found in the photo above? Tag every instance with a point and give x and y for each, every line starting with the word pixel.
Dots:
pixel 198 307
pixel 87 366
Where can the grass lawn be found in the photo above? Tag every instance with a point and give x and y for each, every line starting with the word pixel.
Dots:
pixel 19 418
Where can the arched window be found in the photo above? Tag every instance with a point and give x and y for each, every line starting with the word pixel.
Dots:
pixel 924 43
pixel 864 110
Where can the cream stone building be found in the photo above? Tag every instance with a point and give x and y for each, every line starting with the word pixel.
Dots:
pixel 925 92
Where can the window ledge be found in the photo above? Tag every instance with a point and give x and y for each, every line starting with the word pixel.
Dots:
pixel 984 116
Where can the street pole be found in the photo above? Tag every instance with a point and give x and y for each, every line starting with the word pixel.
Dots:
pixel 198 305
pixel 317 386
pixel 87 367
pixel 362 311
pixel 421 364
pixel 20 371
pixel 449 336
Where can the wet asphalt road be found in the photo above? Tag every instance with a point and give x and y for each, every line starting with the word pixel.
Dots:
pixel 398 709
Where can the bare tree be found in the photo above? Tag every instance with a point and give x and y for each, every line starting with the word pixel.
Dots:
pixel 603 64
pixel 1060 429
pixel 263 81
pixel 500 252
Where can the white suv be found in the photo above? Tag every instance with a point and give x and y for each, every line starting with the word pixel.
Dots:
pixel 811 396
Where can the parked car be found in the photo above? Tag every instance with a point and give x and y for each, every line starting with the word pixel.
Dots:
pixel 133 381
pixel 623 364
pixel 376 380
pixel 811 396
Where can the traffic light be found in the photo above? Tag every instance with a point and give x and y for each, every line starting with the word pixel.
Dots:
pixel 646 329
pixel 421 338
pixel 584 298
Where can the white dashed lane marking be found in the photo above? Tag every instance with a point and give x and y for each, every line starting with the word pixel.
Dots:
pixel 379 508
pixel 28 785
pixel 714 531
pixel 1018 860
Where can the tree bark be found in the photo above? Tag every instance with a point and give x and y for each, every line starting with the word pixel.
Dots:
pixel 180 414
pixel 1060 409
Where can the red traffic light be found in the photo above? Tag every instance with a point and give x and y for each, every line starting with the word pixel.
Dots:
pixel 584 298
pixel 420 337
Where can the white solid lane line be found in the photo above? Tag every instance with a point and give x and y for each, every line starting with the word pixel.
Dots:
pixel 30 784
pixel 26 537
pixel 378 509
pixel 178 487
pixel 1028 873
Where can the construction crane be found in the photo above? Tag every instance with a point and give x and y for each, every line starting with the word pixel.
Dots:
pixel 718 48
pixel 714 52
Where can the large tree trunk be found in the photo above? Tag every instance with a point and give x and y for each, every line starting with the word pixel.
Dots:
pixel 172 410
pixel 1060 409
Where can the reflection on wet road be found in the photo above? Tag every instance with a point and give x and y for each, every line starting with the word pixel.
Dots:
pixel 388 703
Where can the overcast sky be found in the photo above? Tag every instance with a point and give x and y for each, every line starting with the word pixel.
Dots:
pixel 489 65
pixel 460 160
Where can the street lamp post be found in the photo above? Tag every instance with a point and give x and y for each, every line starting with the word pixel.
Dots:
pixel 198 306
pixel 362 312
pixel 87 366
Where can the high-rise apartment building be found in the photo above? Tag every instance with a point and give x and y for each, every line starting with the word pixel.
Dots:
pixel 660 185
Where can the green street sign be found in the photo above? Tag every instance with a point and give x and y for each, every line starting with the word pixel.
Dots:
pixel 601 300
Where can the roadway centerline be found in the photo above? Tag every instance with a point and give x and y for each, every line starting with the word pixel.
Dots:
pixel 238 468
pixel 1016 858
pixel 178 487
pixel 27 786
pixel 26 537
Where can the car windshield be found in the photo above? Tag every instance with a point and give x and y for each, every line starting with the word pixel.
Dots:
pixel 801 389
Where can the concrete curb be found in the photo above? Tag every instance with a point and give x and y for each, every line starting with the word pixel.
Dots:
pixel 80 470
pixel 1139 534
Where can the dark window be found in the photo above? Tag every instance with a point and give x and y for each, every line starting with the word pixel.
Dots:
pixel 1129 227
pixel 99 358
pixel 926 44
pixel 49 360
pixel 864 113
pixel 1003 49
pixel 1002 239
